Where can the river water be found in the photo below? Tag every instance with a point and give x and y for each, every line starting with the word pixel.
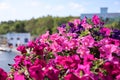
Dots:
pixel 5 59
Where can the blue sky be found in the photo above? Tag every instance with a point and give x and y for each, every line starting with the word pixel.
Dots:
pixel 27 9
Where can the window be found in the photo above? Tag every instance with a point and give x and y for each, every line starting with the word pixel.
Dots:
pixel 10 45
pixel 18 38
pixel 11 38
pixel 26 40
pixel 16 45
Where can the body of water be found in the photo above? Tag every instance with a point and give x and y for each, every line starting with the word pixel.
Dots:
pixel 5 59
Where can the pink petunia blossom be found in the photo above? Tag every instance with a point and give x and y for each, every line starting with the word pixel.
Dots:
pixel 52 73
pixel 3 74
pixel 76 22
pixel 88 41
pixel 71 77
pixel 87 26
pixel 22 49
pixel 18 76
pixel 96 20
pixel 36 72
pixel 106 31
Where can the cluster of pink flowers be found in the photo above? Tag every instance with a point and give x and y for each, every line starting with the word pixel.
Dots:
pixel 79 50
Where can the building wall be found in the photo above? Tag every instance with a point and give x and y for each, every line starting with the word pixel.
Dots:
pixel 103 13
pixel 18 38
pixel 108 15
pixel 104 10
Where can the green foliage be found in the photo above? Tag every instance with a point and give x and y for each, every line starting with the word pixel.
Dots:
pixel 84 33
pixel 113 22
pixel 96 66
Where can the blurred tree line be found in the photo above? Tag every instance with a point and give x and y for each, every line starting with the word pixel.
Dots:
pixel 34 26
pixel 112 22
pixel 40 25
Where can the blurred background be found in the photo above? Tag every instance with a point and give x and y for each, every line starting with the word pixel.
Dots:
pixel 24 20
pixel 37 16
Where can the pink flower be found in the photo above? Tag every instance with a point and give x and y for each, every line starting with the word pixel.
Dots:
pixel 73 43
pixel 65 45
pixel 115 42
pixel 84 69
pixel 39 49
pixel 59 43
pixel 54 37
pixel 76 59
pixel 87 78
pixel 76 22
pixel 18 59
pixel 96 20
pixel 31 44
pixel 87 26
pixel 82 50
pixel 22 49
pixel 118 77
pixel 71 35
pixel 18 76
pixel 67 61
pixel 105 31
pixel 55 47
pixel 107 50
pixel 71 77
pixel 36 72
pixel 64 61
pixel 104 41
pixel 88 58
pixel 51 73
pixel 27 62
pixel 84 20
pixel 40 62
pixel 112 69
pixel 88 41
pixel 108 66
pixel 44 37
pixel 3 74
pixel 61 30
pixel 9 78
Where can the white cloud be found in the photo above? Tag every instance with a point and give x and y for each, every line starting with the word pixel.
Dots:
pixel 116 3
pixel 53 9
pixel 118 11
pixel 59 8
pixel 4 6
pixel 46 7
pixel 34 3
pixel 76 6
pixel 71 8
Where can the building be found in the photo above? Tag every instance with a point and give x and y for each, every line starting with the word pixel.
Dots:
pixel 103 13
pixel 17 39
